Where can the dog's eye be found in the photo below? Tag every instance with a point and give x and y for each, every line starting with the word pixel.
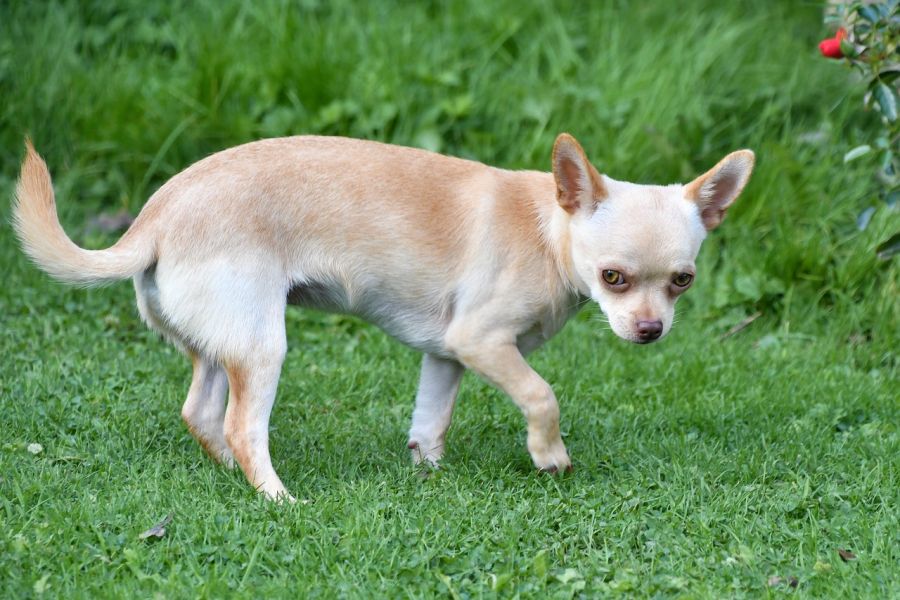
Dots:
pixel 612 277
pixel 683 279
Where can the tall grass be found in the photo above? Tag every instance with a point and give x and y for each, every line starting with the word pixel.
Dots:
pixel 120 96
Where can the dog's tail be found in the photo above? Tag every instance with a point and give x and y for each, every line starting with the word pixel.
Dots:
pixel 44 241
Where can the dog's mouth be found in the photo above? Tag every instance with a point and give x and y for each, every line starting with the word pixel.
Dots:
pixel 641 339
pixel 645 331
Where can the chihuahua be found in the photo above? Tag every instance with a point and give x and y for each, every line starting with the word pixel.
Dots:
pixel 473 265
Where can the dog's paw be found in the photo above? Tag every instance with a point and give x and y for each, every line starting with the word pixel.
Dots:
pixel 552 458
pixel 279 495
pixel 425 453
pixel 226 459
pixel 554 470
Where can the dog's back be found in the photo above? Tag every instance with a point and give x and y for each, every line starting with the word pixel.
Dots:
pixel 397 235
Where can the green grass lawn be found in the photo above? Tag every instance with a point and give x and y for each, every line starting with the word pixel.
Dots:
pixel 707 465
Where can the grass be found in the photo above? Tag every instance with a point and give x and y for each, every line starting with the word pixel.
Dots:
pixel 705 465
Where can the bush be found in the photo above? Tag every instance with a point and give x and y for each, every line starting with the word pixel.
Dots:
pixel 868 40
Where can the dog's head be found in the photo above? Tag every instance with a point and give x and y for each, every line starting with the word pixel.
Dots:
pixel 633 246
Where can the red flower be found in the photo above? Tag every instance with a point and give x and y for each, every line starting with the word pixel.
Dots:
pixel 831 47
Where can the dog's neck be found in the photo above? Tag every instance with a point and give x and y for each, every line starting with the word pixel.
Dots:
pixel 553 226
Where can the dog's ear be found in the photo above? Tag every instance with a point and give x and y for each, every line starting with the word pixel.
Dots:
pixel 578 184
pixel 718 188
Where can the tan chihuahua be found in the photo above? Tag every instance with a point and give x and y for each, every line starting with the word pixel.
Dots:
pixel 473 265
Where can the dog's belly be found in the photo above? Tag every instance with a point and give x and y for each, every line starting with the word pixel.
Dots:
pixel 421 323
pixel 315 294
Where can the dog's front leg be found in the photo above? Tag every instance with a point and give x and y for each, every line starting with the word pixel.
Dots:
pixel 438 386
pixel 503 365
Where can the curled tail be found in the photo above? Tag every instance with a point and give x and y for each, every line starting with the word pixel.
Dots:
pixel 44 241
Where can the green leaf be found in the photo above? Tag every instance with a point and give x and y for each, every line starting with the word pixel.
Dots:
pixel 40 586
pixel 445 579
pixel 429 139
pixel 458 106
pixel 748 287
pixel 568 575
pixel 847 49
pixel 539 564
pixel 862 221
pixel 886 98
pixel 888 75
pixel 888 248
pixel 868 13
pixel 501 581
pixel 887 164
pixel 857 152
pixel 821 567
pixel 769 340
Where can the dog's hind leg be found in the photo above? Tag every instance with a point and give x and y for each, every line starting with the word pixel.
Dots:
pixel 252 382
pixel 438 386
pixel 229 315
pixel 204 408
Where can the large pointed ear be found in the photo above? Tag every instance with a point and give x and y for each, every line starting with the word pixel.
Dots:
pixel 578 184
pixel 718 188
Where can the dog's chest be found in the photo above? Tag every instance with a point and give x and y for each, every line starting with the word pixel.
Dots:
pixel 547 326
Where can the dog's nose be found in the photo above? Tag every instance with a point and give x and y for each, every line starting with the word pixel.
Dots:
pixel 649 330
